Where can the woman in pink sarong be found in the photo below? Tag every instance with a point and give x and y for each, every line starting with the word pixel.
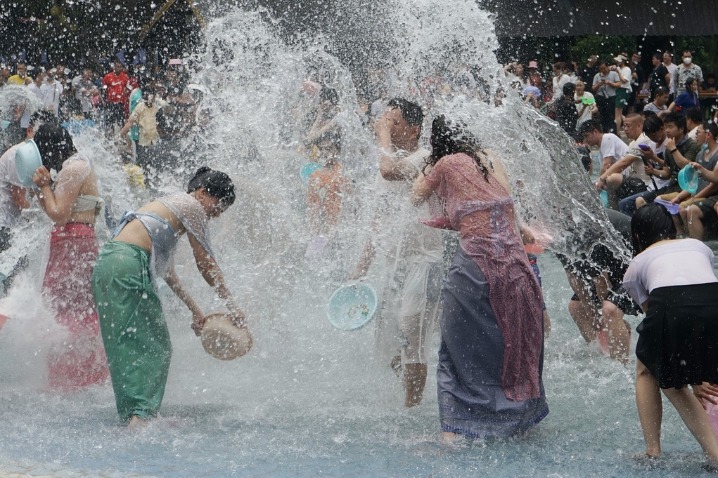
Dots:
pixel 491 356
pixel 72 204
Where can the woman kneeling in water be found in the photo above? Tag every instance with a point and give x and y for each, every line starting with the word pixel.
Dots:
pixel 133 328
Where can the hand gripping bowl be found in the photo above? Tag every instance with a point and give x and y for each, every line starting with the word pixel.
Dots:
pixel 223 340
pixel 27 160
pixel 688 179
pixel 351 306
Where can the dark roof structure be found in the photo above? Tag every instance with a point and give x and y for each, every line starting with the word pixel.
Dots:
pixel 556 18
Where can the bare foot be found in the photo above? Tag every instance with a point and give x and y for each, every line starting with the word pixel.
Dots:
pixel 136 422
pixel 448 437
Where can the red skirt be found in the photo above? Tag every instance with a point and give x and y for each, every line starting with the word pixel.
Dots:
pixel 80 359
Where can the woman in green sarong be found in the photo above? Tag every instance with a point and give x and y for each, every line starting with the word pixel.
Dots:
pixel 133 327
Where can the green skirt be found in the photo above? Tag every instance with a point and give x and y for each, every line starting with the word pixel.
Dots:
pixel 134 331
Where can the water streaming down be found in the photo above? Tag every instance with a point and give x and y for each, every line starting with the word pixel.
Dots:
pixel 311 400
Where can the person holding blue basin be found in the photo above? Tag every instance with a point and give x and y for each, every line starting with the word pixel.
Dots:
pixel 132 323
pixel 72 202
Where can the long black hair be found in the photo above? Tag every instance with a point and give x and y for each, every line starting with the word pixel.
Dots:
pixel 55 145
pixel 216 183
pixel 650 224
pixel 452 138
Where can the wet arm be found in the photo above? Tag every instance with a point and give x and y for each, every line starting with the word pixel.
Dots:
pixel 58 204
pixel 618 166
pixel 606 163
pixel 212 274
pixel 174 284
pixel 421 190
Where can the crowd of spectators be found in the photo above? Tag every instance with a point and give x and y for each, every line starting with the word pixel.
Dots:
pixel 645 125
pixel 148 109
pixel 609 89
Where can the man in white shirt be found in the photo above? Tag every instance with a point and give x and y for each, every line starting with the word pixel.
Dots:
pixel 412 253
pixel 51 92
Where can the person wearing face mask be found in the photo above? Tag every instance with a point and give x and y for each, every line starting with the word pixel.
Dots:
pixel 145 117
pixel 686 70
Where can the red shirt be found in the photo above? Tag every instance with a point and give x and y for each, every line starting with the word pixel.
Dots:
pixel 116 86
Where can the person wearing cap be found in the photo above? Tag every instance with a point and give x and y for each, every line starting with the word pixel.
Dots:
pixel 623 92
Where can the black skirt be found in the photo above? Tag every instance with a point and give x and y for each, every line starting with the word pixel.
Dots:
pixel 678 339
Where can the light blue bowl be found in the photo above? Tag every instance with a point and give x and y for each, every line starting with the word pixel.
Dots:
pixel 27 160
pixel 351 306
pixel 307 170
pixel 604 198
pixel 688 179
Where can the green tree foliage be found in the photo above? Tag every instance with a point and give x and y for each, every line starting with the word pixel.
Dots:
pixel 606 47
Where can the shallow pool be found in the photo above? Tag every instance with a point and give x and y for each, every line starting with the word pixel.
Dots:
pixel 313 401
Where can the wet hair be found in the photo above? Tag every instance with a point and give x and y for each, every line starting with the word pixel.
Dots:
pixel 216 183
pixel 678 119
pixel 452 138
pixel 652 124
pixel 330 95
pixel 55 145
pixel 410 111
pixel 569 89
pixel 650 224
pixel 689 82
pixel 40 117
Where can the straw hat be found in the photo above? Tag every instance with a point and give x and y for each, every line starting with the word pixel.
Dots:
pixel 223 340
